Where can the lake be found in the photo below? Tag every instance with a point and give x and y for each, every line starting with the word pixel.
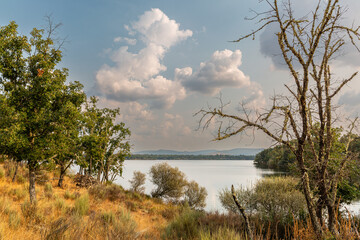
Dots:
pixel 214 175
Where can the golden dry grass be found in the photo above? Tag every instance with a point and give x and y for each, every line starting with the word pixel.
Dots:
pixel 19 221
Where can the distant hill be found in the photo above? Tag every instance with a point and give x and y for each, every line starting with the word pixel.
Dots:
pixel 235 151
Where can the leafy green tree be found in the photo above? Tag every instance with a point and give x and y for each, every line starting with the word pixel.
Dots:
pixel 31 86
pixel 66 136
pixel 137 182
pixel 105 143
pixel 169 181
pixel 195 195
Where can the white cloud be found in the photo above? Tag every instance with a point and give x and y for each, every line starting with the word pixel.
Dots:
pixel 130 41
pixel 222 70
pixel 158 29
pixel 136 76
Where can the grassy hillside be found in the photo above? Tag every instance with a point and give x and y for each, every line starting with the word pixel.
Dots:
pixel 73 212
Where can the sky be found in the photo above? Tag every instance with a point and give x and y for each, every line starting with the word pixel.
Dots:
pixel 161 61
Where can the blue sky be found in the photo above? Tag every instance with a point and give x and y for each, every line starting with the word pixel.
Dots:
pixel 161 61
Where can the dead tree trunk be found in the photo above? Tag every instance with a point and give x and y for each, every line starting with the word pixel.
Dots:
pixel 243 213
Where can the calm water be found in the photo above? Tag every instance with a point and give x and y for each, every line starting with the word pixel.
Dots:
pixel 214 175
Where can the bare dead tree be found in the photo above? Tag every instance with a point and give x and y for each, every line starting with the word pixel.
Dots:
pixel 305 118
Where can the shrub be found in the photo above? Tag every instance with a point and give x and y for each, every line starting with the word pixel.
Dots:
pixel 220 234
pixel 170 181
pixel 112 192
pixel 124 227
pixel 4 205
pixel 185 226
pixel 82 205
pixel 195 195
pixel 170 212
pixel 276 199
pixel 30 212
pixel 60 204
pixel 14 219
pixel 48 190
pixel 108 217
pixel 18 193
pixel 68 195
pixel 20 178
pixel 2 172
pixel 137 182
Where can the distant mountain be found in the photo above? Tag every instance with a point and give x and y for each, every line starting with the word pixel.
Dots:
pixel 235 151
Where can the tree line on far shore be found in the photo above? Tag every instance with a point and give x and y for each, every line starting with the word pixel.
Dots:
pixel 188 157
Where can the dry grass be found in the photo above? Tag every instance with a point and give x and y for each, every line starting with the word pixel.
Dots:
pixel 72 212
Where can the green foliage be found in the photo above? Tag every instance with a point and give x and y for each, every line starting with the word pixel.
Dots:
pixel 185 226
pixel 34 97
pixel 188 157
pixel 105 143
pixel 278 158
pixel 276 199
pixel 195 195
pixel 137 182
pixel 82 206
pixel 169 181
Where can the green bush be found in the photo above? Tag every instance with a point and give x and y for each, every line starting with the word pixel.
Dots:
pixel 195 195
pixel 169 181
pixel 137 182
pixel 82 205
pixel 276 199
pixel 185 226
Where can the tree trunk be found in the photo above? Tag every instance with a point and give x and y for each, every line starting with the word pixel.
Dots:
pixel 15 173
pixel 61 177
pixel 332 218
pixel 242 211
pixel 32 178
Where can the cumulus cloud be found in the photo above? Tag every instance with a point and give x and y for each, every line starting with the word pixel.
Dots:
pixel 130 41
pixel 136 76
pixel 222 70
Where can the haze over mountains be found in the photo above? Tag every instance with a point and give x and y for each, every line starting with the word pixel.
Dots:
pixel 235 151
